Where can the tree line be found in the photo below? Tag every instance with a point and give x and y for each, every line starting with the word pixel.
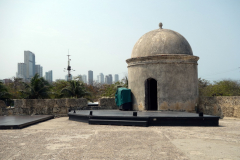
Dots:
pixel 39 88
pixel 218 88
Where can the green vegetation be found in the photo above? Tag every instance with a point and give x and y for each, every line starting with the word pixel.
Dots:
pixel 220 88
pixel 75 89
pixel 4 94
pixel 38 88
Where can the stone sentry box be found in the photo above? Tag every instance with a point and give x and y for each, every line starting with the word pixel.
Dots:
pixel 162 72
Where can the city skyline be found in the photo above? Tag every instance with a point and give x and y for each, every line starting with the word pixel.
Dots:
pixel 100 36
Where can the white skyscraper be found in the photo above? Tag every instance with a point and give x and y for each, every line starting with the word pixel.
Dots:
pixel 101 78
pixel 38 69
pixel 90 77
pixel 21 71
pixel 67 78
pixel 106 80
pixel 84 78
pixel 29 60
pixel 48 76
pixel 116 78
pixel 110 78
pixel 98 80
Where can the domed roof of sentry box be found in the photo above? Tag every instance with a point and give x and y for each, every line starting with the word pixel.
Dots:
pixel 161 41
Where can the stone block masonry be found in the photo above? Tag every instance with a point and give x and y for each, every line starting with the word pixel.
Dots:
pixel 223 106
pixel 57 107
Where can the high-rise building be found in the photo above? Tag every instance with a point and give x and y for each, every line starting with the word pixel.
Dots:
pixel 110 78
pixel 67 78
pixel 106 79
pixel 48 76
pixel 98 80
pixel 84 78
pixel 29 60
pixel 116 78
pixel 101 78
pixel 38 69
pixel 80 77
pixel 90 77
pixel 21 71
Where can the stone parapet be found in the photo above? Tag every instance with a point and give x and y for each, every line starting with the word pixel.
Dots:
pixel 107 103
pixel 56 107
pixel 223 106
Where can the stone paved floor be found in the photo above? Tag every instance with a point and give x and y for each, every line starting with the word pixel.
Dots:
pixel 61 138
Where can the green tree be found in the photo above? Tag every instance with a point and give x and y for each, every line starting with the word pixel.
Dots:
pixel 38 88
pixel 4 94
pixel 226 88
pixel 57 88
pixel 14 88
pixel 75 89
pixel 218 88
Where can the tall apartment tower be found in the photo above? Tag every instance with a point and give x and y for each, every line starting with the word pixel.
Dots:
pixel 101 78
pixel 48 76
pixel 67 78
pixel 38 69
pixel 84 78
pixel 116 78
pixel 107 79
pixel 21 71
pixel 29 60
pixel 90 77
pixel 98 80
pixel 110 78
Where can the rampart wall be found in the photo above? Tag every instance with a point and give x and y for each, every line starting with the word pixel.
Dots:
pixel 225 106
pixel 56 107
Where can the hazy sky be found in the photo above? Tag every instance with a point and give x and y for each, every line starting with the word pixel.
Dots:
pixel 100 34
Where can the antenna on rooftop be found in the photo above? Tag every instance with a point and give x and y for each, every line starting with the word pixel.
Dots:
pixel 69 69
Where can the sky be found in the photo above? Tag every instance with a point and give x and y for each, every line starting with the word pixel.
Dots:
pixel 100 35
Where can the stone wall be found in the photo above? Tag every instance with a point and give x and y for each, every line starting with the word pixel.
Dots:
pixel 56 107
pixel 223 106
pixel 107 103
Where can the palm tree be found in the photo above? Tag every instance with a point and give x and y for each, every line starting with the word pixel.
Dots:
pixel 75 89
pixel 38 88
pixel 4 95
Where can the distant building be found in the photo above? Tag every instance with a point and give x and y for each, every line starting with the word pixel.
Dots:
pixel 84 78
pixel 67 78
pixel 101 78
pixel 6 81
pixel 38 69
pixel 98 80
pixel 90 77
pixel 29 60
pixel 110 78
pixel 48 76
pixel 106 79
pixel 116 78
pixel 60 79
pixel 21 71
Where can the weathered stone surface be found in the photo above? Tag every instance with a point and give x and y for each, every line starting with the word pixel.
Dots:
pixel 61 138
pixel 107 103
pixel 223 106
pixel 2 104
pixel 161 41
pixel 165 56
pixel 176 77
pixel 45 106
